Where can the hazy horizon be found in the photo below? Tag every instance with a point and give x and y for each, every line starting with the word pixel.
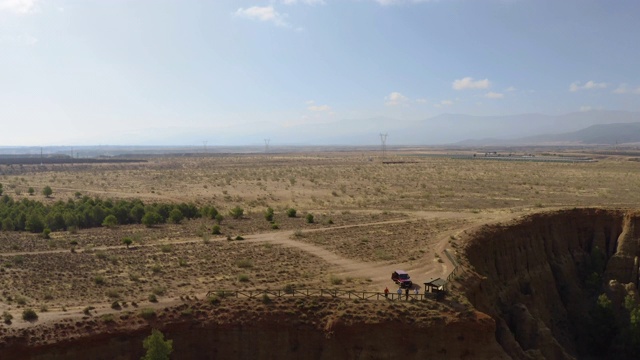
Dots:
pixel 300 71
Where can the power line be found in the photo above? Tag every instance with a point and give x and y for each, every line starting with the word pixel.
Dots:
pixel 383 141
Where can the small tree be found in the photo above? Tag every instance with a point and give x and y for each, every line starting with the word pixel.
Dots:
pixel 110 221
pixel 236 212
pixel 31 191
pixel 309 218
pixel 47 191
pixel 157 347
pixel 127 241
pixel 175 216
pixel 291 212
pixel 268 214
pixel 219 218
pixel 151 218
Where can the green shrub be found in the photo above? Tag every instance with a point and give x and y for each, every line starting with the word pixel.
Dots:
pixel 309 219
pixel 176 216
pixel 116 305
pixel 147 313
pixel 268 214
pixel 216 230
pixel 99 280
pixel 47 191
pixel 291 212
pixel 244 263
pixel 239 237
pixel 335 280
pixel 153 298
pixel 29 315
pixel 157 347
pixel 236 212
pixel 243 278
pixel 110 221
pixel 127 241
pixel 6 317
pixel 275 226
pixel 151 219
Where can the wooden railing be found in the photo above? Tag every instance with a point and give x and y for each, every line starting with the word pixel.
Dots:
pixel 329 293
pixel 333 293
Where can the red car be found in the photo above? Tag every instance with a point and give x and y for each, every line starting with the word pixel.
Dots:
pixel 401 278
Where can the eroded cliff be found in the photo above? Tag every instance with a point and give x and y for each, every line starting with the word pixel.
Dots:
pixel 285 328
pixel 532 275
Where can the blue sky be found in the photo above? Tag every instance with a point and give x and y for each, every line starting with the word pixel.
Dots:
pixel 128 72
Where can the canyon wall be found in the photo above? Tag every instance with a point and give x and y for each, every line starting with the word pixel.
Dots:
pixel 529 274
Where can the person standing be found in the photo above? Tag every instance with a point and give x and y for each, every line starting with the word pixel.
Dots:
pixel 386 292
pixel 407 294
pixel 399 293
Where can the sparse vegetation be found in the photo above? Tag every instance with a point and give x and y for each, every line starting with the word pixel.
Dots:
pixel 29 315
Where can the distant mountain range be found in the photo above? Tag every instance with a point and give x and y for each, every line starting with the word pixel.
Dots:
pixel 589 127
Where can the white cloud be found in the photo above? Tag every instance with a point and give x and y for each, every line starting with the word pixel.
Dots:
pixel 469 83
pixel 585 108
pixel 395 2
pixel 311 105
pixel 395 98
pixel 493 95
pixel 510 89
pixel 18 6
pixel 625 89
pixel 589 85
pixel 421 101
pixel 307 2
pixel 444 103
pixel 263 13
pixel 319 108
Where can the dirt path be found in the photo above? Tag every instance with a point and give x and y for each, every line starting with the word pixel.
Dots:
pixel 378 273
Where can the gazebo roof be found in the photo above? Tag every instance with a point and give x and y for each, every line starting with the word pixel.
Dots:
pixel 437 282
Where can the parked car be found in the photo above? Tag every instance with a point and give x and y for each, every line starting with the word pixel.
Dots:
pixel 402 278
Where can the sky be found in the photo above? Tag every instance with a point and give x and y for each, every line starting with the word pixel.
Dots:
pixel 234 72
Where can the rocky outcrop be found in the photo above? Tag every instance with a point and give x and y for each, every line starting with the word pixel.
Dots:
pixel 529 274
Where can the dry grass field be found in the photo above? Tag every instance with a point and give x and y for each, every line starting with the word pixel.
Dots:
pixel 369 218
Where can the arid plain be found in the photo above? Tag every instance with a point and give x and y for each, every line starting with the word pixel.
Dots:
pixel 369 218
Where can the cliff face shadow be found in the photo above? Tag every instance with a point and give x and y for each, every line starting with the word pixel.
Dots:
pixel 560 284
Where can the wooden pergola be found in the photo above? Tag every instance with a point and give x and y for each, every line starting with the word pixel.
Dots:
pixel 435 285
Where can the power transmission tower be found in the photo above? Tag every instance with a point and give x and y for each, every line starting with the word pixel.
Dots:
pixel 383 141
pixel 204 145
pixel 266 145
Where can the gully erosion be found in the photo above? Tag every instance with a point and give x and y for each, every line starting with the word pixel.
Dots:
pixel 542 278
pixel 552 285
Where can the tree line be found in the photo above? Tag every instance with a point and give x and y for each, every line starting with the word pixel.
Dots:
pixel 86 212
